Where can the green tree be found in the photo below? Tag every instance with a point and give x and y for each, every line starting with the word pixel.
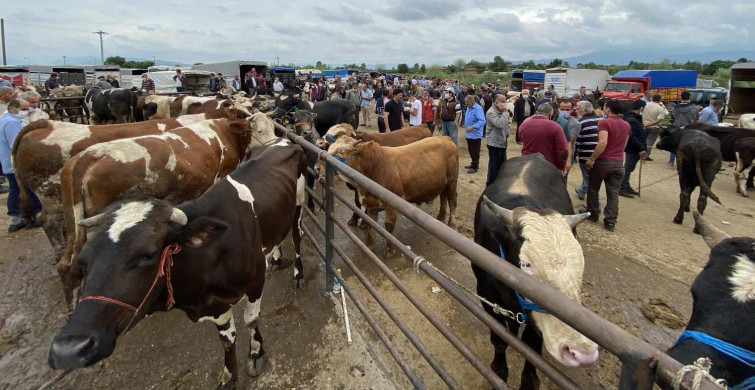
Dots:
pixel 115 60
pixel 460 63
pixel 742 60
pixel 452 69
pixel 402 68
pixel 556 63
pixel 363 66
pixel 528 65
pixel 422 68
pixel 415 68
pixel 474 64
pixel 498 65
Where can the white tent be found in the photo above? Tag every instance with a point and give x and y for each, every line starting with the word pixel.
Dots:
pixel 196 81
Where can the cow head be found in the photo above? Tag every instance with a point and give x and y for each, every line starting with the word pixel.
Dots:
pixel 669 138
pixel 121 260
pixel 262 130
pixel 303 122
pixel 334 134
pixel 547 250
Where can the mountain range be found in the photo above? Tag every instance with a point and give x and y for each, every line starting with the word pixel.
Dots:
pixel 619 57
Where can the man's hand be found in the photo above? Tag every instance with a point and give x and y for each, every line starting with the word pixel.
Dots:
pixel 567 167
pixel 590 163
pixel 470 129
pixel 642 155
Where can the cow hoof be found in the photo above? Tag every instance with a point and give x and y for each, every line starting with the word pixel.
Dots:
pixel 353 221
pixel 256 364
pixel 686 210
pixel 363 225
pixel 441 217
pixel 231 385
pixel 678 220
pixel 281 263
pixel 297 281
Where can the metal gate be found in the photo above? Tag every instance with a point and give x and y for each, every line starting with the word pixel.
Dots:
pixel 642 364
pixel 74 113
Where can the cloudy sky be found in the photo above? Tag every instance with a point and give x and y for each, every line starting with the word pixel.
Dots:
pixel 374 32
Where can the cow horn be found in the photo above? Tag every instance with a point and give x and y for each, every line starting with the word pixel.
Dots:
pixel 501 213
pixel 576 219
pixel 711 234
pixel 92 221
pixel 178 216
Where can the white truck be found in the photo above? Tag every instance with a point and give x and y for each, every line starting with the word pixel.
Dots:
pixel 566 81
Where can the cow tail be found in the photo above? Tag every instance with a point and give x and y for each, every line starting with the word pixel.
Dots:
pixel 703 185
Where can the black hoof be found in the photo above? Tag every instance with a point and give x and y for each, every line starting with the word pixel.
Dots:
pixel 281 263
pixel 363 225
pixel 678 220
pixel 353 221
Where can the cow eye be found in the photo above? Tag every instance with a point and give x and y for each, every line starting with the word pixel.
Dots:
pixel 524 264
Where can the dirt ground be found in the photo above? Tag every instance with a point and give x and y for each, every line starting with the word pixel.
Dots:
pixel 647 258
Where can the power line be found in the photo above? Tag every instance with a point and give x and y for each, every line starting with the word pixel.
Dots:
pixel 102 50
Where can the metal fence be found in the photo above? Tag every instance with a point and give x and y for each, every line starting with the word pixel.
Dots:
pixel 74 113
pixel 642 364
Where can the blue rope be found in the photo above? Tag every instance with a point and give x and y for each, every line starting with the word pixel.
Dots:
pixel 330 138
pixel 740 354
pixel 747 384
pixel 342 159
pixel 525 304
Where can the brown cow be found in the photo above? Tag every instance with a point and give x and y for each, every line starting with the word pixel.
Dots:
pixel 43 147
pixel 185 104
pixel 418 172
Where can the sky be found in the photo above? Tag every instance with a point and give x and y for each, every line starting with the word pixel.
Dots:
pixel 373 32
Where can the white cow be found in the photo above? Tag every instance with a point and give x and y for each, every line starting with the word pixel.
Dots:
pixel 747 121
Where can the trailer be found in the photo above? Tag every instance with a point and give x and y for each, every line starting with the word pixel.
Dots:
pixel 17 75
pixel 70 75
pixel 632 84
pixel 104 71
pixel 566 81
pixel 132 77
pixel 238 67
pixel 197 81
pixel 742 88
pixel 527 78
pixel 285 74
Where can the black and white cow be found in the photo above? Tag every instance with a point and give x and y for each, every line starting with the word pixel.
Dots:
pixel 723 310
pixel 115 105
pixel 698 159
pixel 329 112
pixel 526 216
pixel 211 252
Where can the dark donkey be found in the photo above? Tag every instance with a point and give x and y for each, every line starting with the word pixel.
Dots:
pixel 209 250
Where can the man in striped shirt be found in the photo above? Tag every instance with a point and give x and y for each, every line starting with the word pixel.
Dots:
pixel 586 141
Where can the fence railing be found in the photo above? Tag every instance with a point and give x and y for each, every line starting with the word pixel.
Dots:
pixel 60 112
pixel 642 364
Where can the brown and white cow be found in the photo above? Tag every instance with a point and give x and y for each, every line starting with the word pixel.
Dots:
pixel 185 104
pixel 43 147
pixel 418 172
pixel 157 106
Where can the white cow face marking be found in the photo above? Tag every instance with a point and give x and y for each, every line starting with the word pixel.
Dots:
pixel 126 217
pixel 243 191
pixel 742 279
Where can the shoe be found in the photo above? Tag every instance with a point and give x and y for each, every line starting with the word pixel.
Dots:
pixel 625 194
pixel 579 196
pixel 593 218
pixel 472 170
pixel 632 191
pixel 16 224
pixel 468 166
pixel 670 163
pixel 609 225
pixel 648 159
pixel 362 124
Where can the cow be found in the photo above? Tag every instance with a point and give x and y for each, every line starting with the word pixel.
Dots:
pixel 177 165
pixel 698 159
pixel 114 105
pixel 744 149
pixel 729 137
pixel 185 104
pixel 393 138
pixel 209 251
pixel 418 173
pixel 68 107
pixel 329 112
pixel 157 106
pixel 747 121
pixel 526 217
pixel 43 147
pixel 723 308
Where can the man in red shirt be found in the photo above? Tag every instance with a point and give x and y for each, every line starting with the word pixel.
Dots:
pixel 539 134
pixel 428 113
pixel 607 165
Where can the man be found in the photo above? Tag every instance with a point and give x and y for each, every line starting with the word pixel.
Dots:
pixel 542 135
pixel 635 149
pixel 571 129
pixel 524 107
pixel 250 82
pixel 415 111
pixel 685 113
pixel 214 82
pixel 394 111
pixel 474 122
pixel 147 83
pixel 447 114
pixel 180 80
pixel 647 97
pixel 582 93
pixel 35 113
pixel 547 98
pixel 709 115
pixel 366 104
pixel 10 126
pixel 4 82
pixel 52 83
pixel 102 83
pixel 607 165
pixel 113 81
pixel 554 95
pixel 428 111
pixel 497 122
pixel 354 96
pixel 236 83
pixel 225 89
pixel 6 95
pixel 652 117
pixel 586 141
pixel 277 86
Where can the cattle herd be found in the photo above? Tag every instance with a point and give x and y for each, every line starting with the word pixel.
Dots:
pixel 184 202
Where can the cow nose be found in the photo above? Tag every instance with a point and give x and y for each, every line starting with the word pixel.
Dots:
pixel 579 356
pixel 72 352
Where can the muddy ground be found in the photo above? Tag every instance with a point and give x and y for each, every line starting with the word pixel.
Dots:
pixel 647 258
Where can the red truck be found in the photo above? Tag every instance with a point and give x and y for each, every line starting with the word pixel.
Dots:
pixel 632 84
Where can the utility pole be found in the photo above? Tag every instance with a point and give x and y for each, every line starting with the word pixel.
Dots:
pixel 2 38
pixel 64 60
pixel 102 50
pixel 154 60
pixel 278 60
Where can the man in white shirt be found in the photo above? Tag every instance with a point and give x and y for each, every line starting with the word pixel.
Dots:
pixel 415 111
pixel 652 116
pixel 277 86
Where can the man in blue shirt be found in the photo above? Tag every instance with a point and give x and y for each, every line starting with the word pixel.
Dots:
pixel 10 126
pixel 473 124
pixel 366 105
pixel 709 115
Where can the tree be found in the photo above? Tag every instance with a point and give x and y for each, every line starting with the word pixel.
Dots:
pixel 460 63
pixel 422 68
pixel 415 68
pixel 528 65
pixel 474 64
pixel 498 65
pixel 402 68
pixel 742 60
pixel 557 62
pixel 115 60
pixel 363 66
pixel 452 69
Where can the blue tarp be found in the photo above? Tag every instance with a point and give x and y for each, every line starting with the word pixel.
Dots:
pixel 663 78
pixel 534 76
pixel 282 69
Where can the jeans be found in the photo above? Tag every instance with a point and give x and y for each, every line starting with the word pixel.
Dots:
pixel 582 189
pixel 671 158
pixel 14 204
pixel 611 172
pixel 473 145
pixel 629 165
pixel 652 136
pixel 431 126
pixel 497 158
pixel 450 129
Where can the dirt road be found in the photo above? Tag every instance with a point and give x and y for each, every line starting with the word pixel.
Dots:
pixel 647 257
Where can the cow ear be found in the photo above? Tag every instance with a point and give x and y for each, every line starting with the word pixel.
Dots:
pixel 496 217
pixel 239 126
pixel 201 231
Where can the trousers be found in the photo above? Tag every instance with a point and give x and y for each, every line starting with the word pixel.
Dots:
pixel 474 151
pixel 630 163
pixel 497 158
pixel 450 129
pixel 652 136
pixel 610 172
pixel 14 203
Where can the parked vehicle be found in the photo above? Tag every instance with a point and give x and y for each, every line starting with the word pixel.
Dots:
pixel 527 78
pixel 702 96
pixel 285 74
pixel 566 81
pixel 632 84
pixel 742 88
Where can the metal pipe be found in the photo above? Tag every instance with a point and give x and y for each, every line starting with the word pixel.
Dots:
pixel 370 320
pixel 314 196
pixel 533 357
pixel 465 351
pixel 314 220
pixel 329 229
pixel 609 336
